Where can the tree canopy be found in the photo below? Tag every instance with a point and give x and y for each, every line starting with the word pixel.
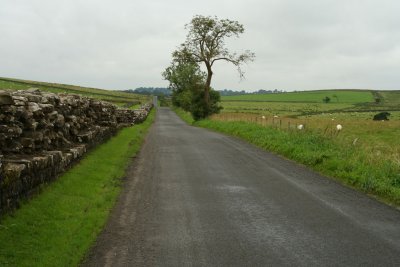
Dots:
pixel 205 45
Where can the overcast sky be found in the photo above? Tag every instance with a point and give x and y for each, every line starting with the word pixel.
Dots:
pixel 121 44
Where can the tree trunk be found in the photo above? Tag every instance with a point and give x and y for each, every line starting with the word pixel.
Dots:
pixel 208 85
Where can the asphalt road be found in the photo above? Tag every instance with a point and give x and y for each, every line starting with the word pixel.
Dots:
pixel 198 198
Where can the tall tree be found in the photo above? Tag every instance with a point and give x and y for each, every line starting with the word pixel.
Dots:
pixel 187 85
pixel 205 43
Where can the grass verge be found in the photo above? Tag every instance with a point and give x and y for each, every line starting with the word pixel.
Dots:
pixel 348 164
pixel 184 115
pixel 57 227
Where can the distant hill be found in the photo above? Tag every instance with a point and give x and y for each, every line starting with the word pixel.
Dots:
pixel 227 92
pixel 116 97
pixel 151 91
pixel 167 92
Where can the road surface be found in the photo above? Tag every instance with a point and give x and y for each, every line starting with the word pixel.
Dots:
pixel 198 198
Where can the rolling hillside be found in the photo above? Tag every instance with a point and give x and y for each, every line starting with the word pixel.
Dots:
pixel 116 97
pixel 337 96
pixel 311 102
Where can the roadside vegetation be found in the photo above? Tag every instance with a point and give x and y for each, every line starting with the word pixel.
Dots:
pixel 58 226
pixel 122 99
pixel 184 115
pixel 364 153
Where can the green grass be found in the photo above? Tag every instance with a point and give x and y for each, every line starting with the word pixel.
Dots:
pixel 390 97
pixel 333 156
pixel 58 226
pixel 379 137
pixel 337 96
pixel 117 97
pixel 283 108
pixel 184 115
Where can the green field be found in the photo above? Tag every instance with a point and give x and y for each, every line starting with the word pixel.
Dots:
pixel 305 103
pixel 355 117
pixel 283 108
pixel 116 97
pixel 336 96
pixel 390 98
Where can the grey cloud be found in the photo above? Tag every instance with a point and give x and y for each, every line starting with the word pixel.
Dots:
pixel 125 44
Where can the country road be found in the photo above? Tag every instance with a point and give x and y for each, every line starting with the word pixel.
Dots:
pixel 194 197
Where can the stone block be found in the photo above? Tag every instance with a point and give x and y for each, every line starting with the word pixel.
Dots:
pixel 6 99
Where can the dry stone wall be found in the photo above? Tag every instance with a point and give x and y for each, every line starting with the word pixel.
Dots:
pixel 42 134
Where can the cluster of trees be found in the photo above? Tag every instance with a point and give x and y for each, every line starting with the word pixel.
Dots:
pixel 204 46
pixel 159 91
pixel 227 92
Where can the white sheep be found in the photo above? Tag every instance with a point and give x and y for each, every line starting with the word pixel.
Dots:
pixel 263 117
pixel 300 127
pixel 339 127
